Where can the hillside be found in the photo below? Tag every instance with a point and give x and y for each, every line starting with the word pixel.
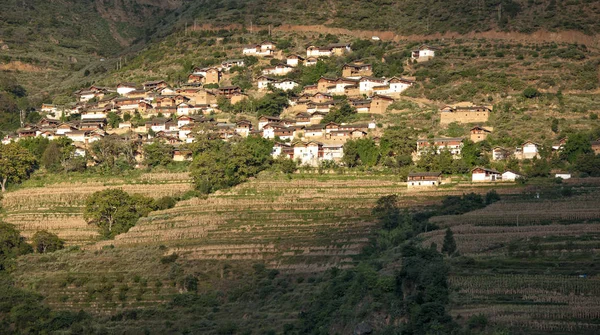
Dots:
pixel 61 45
pixel 260 253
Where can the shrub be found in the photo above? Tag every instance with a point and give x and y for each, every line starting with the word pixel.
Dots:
pixel 165 202
pixel 169 259
pixel 44 241
pixel 530 93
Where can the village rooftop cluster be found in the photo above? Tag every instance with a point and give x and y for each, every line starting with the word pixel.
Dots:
pixel 176 115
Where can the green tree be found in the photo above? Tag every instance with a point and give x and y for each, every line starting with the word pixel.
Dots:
pixel 158 153
pixel 113 120
pixel 449 246
pixel 44 241
pixel 386 210
pixel 51 158
pixel 12 244
pixel 286 165
pixel 398 141
pixel 36 145
pixel 16 164
pixel 114 211
pixel 577 144
pixel 272 104
pixel 219 165
pixel 368 151
pixel 339 114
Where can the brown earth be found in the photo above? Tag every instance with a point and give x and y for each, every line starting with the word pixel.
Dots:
pixel 539 36
pixel 20 66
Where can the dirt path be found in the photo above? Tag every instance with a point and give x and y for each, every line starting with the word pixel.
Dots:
pixel 539 36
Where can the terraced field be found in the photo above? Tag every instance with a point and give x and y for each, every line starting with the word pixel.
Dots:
pixel 299 226
pixel 305 224
pixel 58 207
pixel 523 275
pixel 529 262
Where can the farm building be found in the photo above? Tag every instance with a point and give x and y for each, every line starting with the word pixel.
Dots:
pixel 464 114
pixel 499 153
pixel 480 174
pixel 423 53
pixel 424 179
pixel 528 150
pixel 479 133
pixel 509 175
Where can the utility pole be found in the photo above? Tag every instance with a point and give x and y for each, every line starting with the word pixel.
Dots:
pixel 22 117
pixel 251 27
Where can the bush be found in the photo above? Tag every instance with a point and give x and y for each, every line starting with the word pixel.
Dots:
pixel 169 259
pixel 165 202
pixel 44 242
pixel 530 93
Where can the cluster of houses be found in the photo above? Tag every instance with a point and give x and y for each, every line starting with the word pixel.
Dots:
pixel 175 115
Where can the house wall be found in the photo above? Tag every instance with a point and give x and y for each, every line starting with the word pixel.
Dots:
pixel 379 106
pixel 509 176
pixel 478 137
pixel 422 183
pixel 464 117
pixel 125 90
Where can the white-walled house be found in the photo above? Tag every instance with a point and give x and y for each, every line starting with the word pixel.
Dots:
pixel 294 60
pixel 264 81
pixel 366 84
pixel 124 88
pixel 480 174
pixel 264 120
pixel 314 51
pixel 278 70
pixel 509 175
pixel 562 175
pixel 398 85
pixel 333 152
pixel 285 85
pixel 530 150
pixel 263 49
pixel 424 52
pixel 308 153
pixel 423 179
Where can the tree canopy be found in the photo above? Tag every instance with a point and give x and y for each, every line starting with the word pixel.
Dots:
pixel 16 164
pixel 220 165
pixel 158 153
pixel 114 211
pixel 44 241
pixel 12 244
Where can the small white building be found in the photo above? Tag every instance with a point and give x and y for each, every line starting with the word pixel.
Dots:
pixel 314 51
pixel 509 175
pixel 264 120
pixel 424 52
pixel 308 153
pixel 480 174
pixel 124 88
pixel 423 179
pixel 264 81
pixel 366 84
pixel 530 150
pixel 398 85
pixel 278 70
pixel 294 60
pixel 285 85
pixel 562 175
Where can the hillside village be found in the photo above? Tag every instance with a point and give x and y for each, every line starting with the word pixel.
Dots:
pixel 158 111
